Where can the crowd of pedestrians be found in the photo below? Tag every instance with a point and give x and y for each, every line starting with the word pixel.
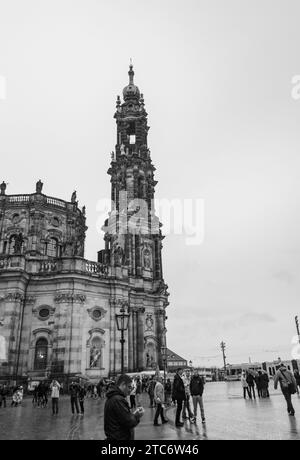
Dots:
pixel 123 406
pixel 252 380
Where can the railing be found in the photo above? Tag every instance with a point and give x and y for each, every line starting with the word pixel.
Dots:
pixel 18 198
pixel 11 262
pixel 35 197
pixel 56 202
pixel 96 268
pixel 47 265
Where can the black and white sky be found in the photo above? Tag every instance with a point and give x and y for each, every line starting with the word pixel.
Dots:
pixel 217 81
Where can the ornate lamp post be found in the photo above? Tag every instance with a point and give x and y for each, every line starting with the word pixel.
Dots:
pixel 164 354
pixel 122 324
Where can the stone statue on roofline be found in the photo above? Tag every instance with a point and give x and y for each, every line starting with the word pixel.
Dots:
pixel 73 197
pixel 39 186
pixel 3 188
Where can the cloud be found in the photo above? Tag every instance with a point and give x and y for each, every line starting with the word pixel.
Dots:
pixel 255 318
pixel 283 275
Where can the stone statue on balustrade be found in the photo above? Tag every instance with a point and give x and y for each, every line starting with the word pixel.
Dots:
pixel 74 197
pixel 3 188
pixel 39 186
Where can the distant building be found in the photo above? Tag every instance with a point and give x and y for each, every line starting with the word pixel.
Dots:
pixel 175 361
pixel 272 367
pixel 234 371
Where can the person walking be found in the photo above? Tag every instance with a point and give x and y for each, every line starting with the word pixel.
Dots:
pixel 138 391
pixel 251 381
pixel 265 385
pixel 297 378
pixel 54 388
pixel 3 395
pixel 132 395
pixel 17 396
pixel 258 382
pixel 151 387
pixel 168 392
pixel 159 398
pixel 119 422
pixel 178 395
pixel 74 396
pixel 197 388
pixel 287 384
pixel 81 396
pixel 245 385
pixel 186 411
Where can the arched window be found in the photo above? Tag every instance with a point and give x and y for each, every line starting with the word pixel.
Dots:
pixel 41 354
pixel 52 248
pixel 95 353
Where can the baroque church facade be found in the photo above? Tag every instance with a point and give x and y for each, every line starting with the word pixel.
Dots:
pixel 57 309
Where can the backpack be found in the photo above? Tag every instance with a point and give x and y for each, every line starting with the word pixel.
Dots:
pixel 289 385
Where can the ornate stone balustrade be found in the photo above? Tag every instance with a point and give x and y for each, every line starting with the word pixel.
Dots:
pixel 12 262
pixel 19 200
pixel 43 266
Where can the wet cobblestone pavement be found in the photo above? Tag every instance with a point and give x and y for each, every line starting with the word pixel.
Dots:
pixel 228 416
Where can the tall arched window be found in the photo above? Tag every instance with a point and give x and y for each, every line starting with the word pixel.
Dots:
pixel 41 354
pixel 52 248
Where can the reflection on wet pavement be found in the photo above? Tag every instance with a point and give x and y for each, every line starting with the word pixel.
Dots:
pixel 228 416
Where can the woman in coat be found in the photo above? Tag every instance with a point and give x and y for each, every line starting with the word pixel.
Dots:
pixel 245 385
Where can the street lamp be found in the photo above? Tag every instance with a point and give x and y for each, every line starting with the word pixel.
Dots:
pixel 164 357
pixel 122 324
pixel 164 353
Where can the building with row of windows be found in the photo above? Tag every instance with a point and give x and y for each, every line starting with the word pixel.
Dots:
pixel 57 309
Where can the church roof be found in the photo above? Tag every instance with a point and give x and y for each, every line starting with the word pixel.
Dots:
pixel 172 356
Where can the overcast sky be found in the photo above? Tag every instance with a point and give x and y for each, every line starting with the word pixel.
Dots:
pixel 216 77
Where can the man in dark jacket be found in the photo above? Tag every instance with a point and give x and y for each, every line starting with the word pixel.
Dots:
pixel 197 388
pixel 258 381
pixel 178 395
pixel 151 387
pixel 74 390
pixel 251 381
pixel 119 422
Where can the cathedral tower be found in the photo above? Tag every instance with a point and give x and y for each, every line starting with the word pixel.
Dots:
pixel 133 236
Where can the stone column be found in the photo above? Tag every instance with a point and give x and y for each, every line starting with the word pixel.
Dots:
pixel 130 342
pixel 140 337
pixel 113 338
pixel 135 339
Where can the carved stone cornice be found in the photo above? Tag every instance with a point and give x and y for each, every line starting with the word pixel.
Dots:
pixel 12 297
pixel 69 298
pixel 30 300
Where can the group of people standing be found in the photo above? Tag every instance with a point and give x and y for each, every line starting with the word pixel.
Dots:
pixel 250 380
pixel 185 386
